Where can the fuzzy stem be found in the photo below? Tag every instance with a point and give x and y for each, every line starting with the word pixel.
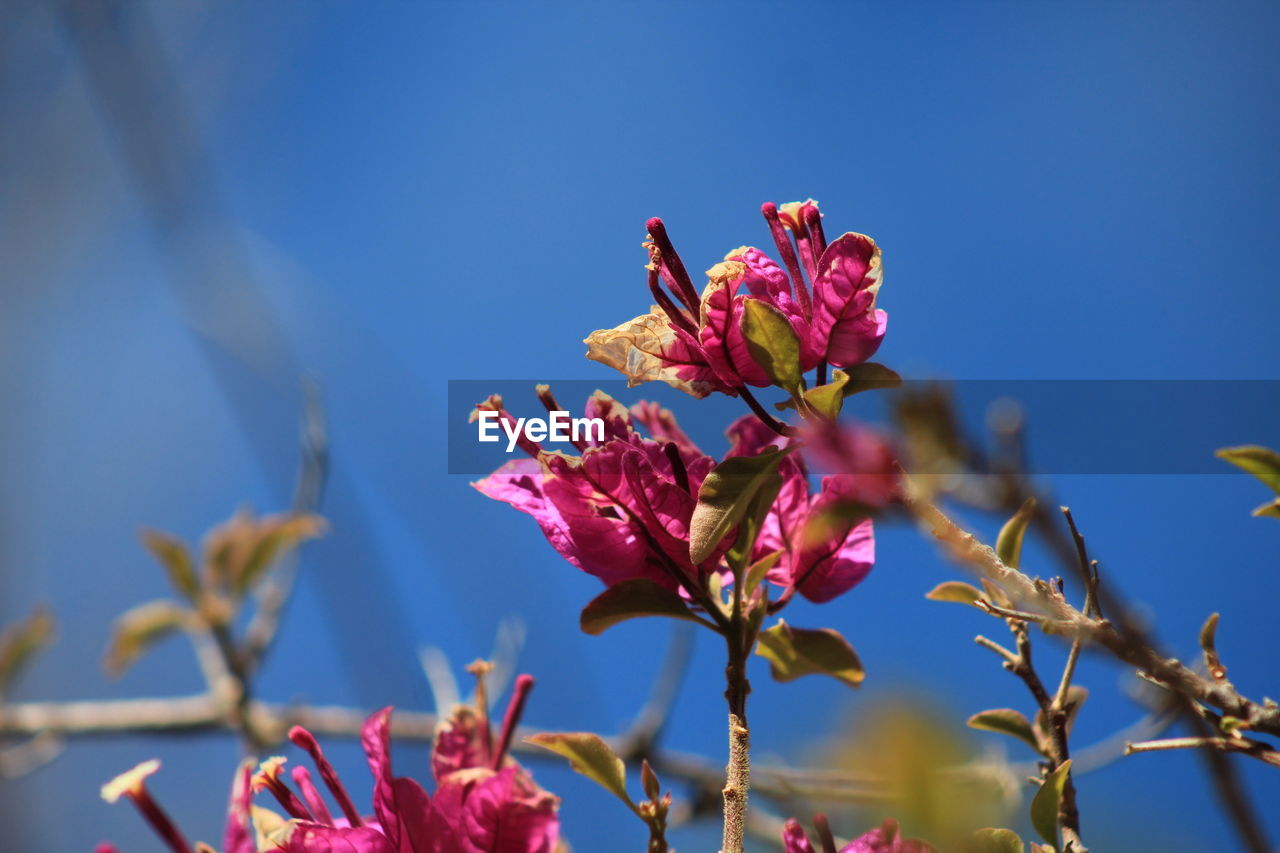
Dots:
pixel 736 785
pixel 738 772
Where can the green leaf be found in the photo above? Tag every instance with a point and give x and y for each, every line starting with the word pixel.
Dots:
pixel 870 376
pixel 632 599
pixel 1005 721
pixel 827 400
pixel 21 642
pixel 757 572
pixel 772 343
pixel 172 553
pixel 995 841
pixel 589 755
pixel 1261 462
pixel 138 629
pixel 793 652
pixel 1044 807
pixel 752 522
pixel 726 494
pixel 1009 542
pixel 957 591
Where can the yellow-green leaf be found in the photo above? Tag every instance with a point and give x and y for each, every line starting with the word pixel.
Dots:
pixel 992 840
pixel 827 400
pixel 793 652
pixel 957 591
pixel 772 343
pixel 138 629
pixel 1009 542
pixel 724 497
pixel 1044 807
pixel 759 569
pixel 589 755
pixel 21 641
pixel 1261 462
pixel 632 599
pixel 1006 721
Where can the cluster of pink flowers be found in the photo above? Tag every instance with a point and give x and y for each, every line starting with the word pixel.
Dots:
pixel 621 510
pixel 696 343
pixel 484 801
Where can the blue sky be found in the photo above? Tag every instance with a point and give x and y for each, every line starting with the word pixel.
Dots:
pixel 442 191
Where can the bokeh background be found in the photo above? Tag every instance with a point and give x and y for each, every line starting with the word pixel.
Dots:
pixel 204 203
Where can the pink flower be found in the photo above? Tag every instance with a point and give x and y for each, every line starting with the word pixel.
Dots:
pixel 827 545
pixel 621 509
pixel 484 801
pixel 696 343
pixel 883 839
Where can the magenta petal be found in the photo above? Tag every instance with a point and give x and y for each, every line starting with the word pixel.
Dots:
pixel 847 326
pixel 590 496
pixel 794 839
pixel 305 837
pixel 886 839
pixel 238 836
pixel 459 745
pixel 661 424
pixel 499 820
pixel 767 281
pixel 616 417
pixel 720 332
pixel 375 737
pixel 748 436
pixel 841 558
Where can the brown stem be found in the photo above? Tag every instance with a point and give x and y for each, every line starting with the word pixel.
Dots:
pixel 769 420
pixel 738 772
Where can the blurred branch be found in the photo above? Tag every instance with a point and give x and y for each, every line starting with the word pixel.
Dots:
pixel 1123 640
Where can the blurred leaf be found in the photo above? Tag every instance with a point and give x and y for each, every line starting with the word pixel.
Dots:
pixel 173 554
pixel 21 642
pixel 1009 542
pixel 996 841
pixel 827 400
pixel 870 376
pixel 725 495
pixel 1261 462
pixel 957 591
pixel 1208 633
pixel 239 551
pixel 758 571
pixel 1044 808
pixel 589 755
pixel 996 594
pixel 793 652
pixel 1006 721
pixel 1268 510
pixel 632 599
pixel 772 343
pixel 914 748
pixel 138 629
